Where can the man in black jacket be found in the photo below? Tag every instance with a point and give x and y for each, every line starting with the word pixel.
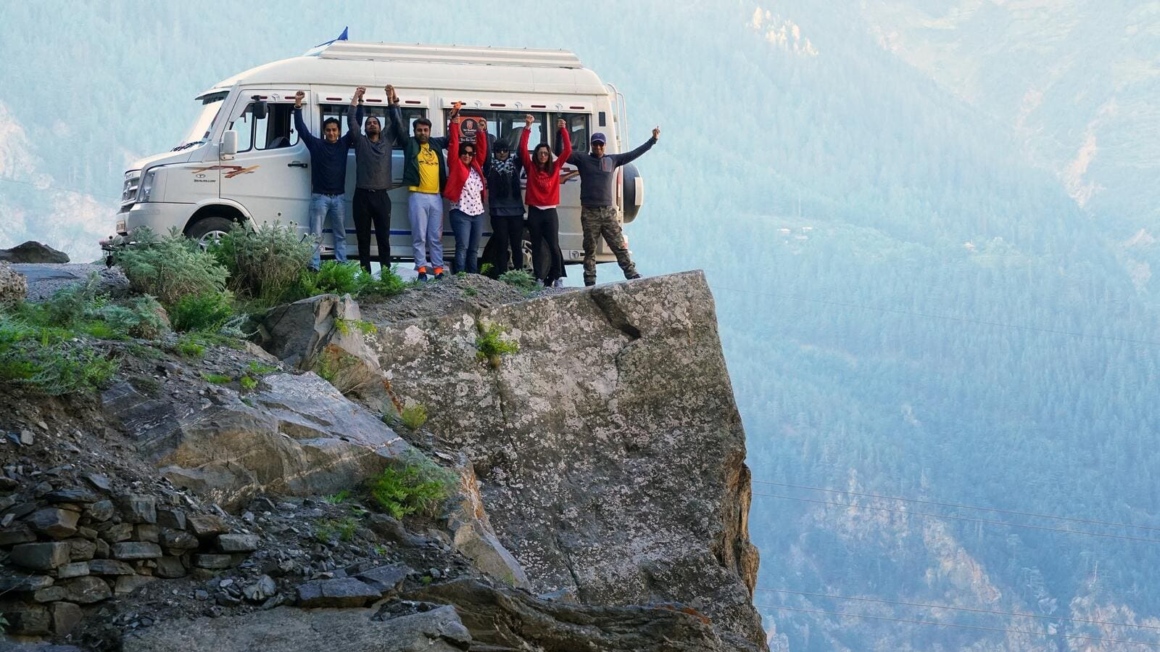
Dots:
pixel 327 181
pixel 373 175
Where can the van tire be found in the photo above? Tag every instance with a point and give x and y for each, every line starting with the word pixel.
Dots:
pixel 209 230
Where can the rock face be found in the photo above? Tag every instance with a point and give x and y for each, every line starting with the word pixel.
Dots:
pixel 33 252
pixel 609 450
pixel 13 286
pixel 296 435
pixel 292 630
pixel 322 334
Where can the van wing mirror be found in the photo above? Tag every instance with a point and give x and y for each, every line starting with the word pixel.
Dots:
pixel 258 106
pixel 229 143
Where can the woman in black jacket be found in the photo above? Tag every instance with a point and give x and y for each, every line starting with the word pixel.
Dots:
pixel 506 207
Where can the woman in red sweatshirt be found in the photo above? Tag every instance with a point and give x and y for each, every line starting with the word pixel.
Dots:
pixel 466 188
pixel 542 197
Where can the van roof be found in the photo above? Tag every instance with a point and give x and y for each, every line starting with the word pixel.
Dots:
pixel 451 67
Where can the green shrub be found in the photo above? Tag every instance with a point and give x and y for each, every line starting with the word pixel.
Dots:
pixel 490 344
pixel 83 309
pixel 247 383
pixel 365 327
pixel 189 347
pixel 265 263
pixel 170 268
pixel 341 529
pixel 414 415
pixel 519 278
pixel 217 379
pixel 43 361
pixel 419 486
pixel 388 284
pixel 201 312
pixel 339 278
pixel 338 498
pixel 256 368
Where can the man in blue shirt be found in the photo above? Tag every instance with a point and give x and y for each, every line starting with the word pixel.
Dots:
pixel 327 181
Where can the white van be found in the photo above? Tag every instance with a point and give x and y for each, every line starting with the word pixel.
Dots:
pixel 242 161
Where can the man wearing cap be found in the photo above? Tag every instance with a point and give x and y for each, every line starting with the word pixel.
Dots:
pixel 598 202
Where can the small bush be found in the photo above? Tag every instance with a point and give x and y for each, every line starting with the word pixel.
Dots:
pixel 418 487
pixel 217 379
pixel 414 416
pixel 265 263
pixel 247 383
pixel 486 269
pixel 189 347
pixel 365 327
pixel 339 278
pixel 338 498
pixel 341 529
pixel 256 368
pixel 201 312
pixel 388 284
pixel 170 268
pixel 519 278
pixel 43 361
pixel 490 344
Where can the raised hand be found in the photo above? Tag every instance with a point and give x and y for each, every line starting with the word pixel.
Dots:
pixel 481 126
pixel 358 94
pixel 391 97
pixel 298 97
pixel 455 106
pixel 529 119
pixel 656 132
pixel 561 125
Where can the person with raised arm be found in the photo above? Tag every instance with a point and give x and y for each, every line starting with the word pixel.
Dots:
pixel 506 207
pixel 372 205
pixel 542 197
pixel 466 190
pixel 327 181
pixel 425 175
pixel 598 202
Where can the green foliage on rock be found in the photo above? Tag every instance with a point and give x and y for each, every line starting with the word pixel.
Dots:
pixel 170 268
pixel 418 486
pixel 491 345
pixel 264 263
pixel 201 312
pixel 520 278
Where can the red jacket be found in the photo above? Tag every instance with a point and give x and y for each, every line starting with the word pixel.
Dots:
pixel 543 187
pixel 457 172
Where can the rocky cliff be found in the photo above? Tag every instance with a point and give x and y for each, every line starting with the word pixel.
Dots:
pixel 602 495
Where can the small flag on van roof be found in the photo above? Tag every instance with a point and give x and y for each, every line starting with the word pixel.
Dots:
pixel 341 37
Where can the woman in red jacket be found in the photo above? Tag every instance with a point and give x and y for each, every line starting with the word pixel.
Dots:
pixel 466 188
pixel 542 197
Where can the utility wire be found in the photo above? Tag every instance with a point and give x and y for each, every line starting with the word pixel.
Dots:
pixel 961 506
pixel 967 609
pixel 963 320
pixel 974 627
pixel 964 518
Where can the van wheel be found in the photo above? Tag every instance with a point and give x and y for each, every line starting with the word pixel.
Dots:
pixel 209 230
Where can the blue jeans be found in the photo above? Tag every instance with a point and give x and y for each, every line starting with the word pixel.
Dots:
pixel 425 212
pixel 334 208
pixel 468 229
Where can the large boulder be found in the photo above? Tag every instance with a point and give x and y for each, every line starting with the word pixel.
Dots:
pixel 514 620
pixel 13 285
pixel 292 630
pixel 322 334
pixel 33 252
pixel 609 450
pixel 295 435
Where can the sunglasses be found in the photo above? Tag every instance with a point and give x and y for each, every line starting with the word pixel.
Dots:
pixel 468 153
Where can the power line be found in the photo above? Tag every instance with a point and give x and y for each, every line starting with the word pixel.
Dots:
pixel 963 320
pixel 957 626
pixel 966 609
pixel 961 506
pixel 964 518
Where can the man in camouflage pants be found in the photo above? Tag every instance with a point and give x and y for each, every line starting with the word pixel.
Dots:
pixel 598 202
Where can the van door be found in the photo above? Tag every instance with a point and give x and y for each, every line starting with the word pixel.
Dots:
pixel 270 176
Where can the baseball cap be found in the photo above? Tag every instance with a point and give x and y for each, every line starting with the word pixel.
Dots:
pixel 599 138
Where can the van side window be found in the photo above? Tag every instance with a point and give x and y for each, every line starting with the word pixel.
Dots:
pixel 410 114
pixel 271 132
pixel 578 131
pixel 507 125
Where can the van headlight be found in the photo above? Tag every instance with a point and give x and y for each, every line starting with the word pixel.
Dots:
pixel 146 187
pixel 130 189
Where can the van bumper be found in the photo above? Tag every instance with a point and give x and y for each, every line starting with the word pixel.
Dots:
pixel 160 217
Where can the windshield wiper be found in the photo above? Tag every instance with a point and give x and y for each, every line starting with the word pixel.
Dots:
pixel 191 143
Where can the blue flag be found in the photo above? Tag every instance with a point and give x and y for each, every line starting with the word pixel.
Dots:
pixel 341 37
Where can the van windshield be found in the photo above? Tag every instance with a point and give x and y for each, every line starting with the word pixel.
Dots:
pixel 199 132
